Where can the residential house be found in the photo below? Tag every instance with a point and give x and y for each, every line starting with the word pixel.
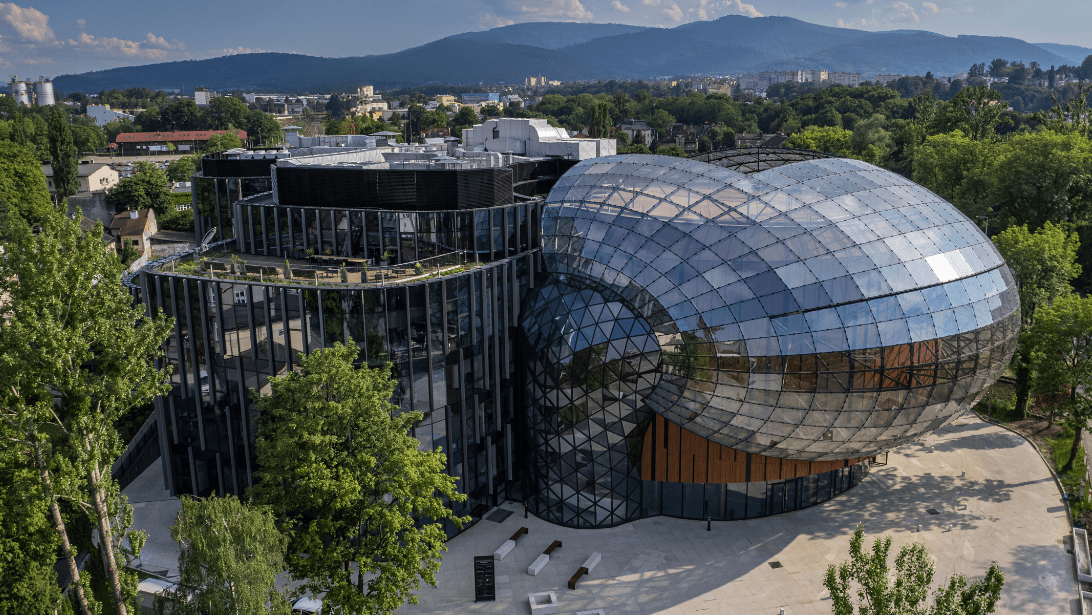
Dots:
pixel 136 226
pixel 638 132
pixel 93 177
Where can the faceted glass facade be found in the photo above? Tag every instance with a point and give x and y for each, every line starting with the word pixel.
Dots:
pixel 821 310
pixel 593 362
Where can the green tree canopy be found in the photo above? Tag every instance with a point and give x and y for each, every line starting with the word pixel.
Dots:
pixel 1062 338
pixel 62 153
pixel 75 355
pixel 975 110
pixel 226 112
pixel 660 121
pixel 832 140
pixel 862 585
pixel 229 556
pixel 22 183
pixel 181 115
pixel 222 142
pixel 147 189
pixel 182 170
pixel 1045 263
pixel 333 458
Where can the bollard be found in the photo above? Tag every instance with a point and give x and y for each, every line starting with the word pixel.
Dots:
pixel 782 611
pixel 709 524
pixel 963 474
pixel 919 528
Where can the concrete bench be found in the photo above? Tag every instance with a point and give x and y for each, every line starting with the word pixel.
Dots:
pixel 588 566
pixel 520 532
pixel 504 549
pixel 537 566
pixel 553 545
pixel 1081 555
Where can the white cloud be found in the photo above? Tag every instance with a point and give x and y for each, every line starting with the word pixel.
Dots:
pixel 489 20
pixel 903 12
pixel 30 24
pixel 81 23
pixel 841 5
pixel 618 6
pixel 236 51
pixel 559 9
pixel 737 7
pixel 114 45
pixel 852 24
pixel 674 13
pixel 650 2
pixel 930 8
pixel 159 41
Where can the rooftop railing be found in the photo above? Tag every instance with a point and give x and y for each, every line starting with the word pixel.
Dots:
pixel 338 271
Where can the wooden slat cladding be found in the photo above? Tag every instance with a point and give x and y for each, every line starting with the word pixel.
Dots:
pixel 676 455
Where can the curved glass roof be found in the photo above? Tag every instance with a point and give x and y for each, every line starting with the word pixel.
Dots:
pixel 749 160
pixel 816 259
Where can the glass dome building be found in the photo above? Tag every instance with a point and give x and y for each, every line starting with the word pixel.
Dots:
pixel 729 336
pixel 717 338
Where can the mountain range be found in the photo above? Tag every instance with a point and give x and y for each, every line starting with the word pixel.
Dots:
pixel 574 51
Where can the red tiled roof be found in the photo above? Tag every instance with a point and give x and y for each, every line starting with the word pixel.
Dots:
pixel 186 135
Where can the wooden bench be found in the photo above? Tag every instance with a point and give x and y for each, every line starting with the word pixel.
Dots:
pixel 588 566
pixel 553 545
pixel 520 532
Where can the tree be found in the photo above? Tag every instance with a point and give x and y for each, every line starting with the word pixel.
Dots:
pixel 998 68
pixel 88 138
pixel 229 556
pixel 62 151
pixel 182 170
pixel 974 110
pixel 660 121
pixel 334 460
pixel 225 113
pixel 465 117
pixel 181 115
pixel 867 575
pixel 1045 263
pixel 828 139
pixel 113 129
pixel 671 150
pixel 22 183
pixel 75 355
pixel 263 128
pixel 28 582
pixel 951 164
pixel 1043 177
pixel 147 189
pixel 128 252
pixel 222 142
pixel 1062 335
pixel 600 124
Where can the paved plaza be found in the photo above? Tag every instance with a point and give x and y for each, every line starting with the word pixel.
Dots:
pixel 1006 509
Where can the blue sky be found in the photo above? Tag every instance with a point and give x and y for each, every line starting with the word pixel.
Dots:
pixel 68 36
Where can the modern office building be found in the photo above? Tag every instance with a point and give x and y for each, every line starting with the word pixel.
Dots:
pixel 603 340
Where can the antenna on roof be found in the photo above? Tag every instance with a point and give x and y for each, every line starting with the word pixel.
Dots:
pixel 205 242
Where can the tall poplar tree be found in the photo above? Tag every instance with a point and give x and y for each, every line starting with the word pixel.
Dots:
pixel 75 354
pixel 62 151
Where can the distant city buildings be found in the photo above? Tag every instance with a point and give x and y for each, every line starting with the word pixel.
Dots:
pixel 886 79
pixel 103 115
pixel 760 82
pixel 202 96
pixel 478 98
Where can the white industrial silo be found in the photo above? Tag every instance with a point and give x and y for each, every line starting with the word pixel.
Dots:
pixel 18 90
pixel 43 91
